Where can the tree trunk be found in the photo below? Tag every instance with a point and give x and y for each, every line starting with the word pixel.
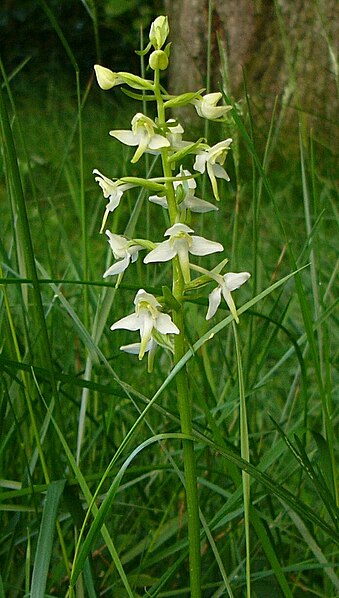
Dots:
pixel 282 48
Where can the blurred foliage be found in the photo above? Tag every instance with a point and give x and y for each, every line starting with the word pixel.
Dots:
pixel 26 32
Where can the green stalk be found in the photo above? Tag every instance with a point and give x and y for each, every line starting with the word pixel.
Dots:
pixel 184 406
pixel 245 454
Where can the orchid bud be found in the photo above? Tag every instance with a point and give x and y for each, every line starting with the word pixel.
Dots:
pixel 106 78
pixel 158 60
pixel 159 32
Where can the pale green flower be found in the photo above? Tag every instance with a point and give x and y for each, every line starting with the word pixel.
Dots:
pixel 142 135
pixel 124 250
pixel 213 159
pixel 147 319
pixel 186 200
pixel 159 32
pixel 207 106
pixel 113 190
pixel 226 284
pixel 106 78
pixel 181 243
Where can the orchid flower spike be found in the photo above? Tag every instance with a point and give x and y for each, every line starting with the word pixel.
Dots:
pixel 112 190
pixel 181 243
pixel 186 200
pixel 124 250
pixel 142 135
pixel 226 284
pixel 207 106
pixel 147 318
pixel 213 159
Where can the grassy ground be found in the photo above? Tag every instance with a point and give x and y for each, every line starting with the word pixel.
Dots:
pixel 80 419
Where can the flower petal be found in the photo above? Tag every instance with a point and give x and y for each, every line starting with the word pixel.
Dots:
pixel 214 299
pixel 177 228
pixel 202 246
pixel 158 141
pixel 126 137
pixel 197 205
pixel 118 267
pixel 164 325
pixel 200 163
pixel 234 280
pixel 160 201
pixel 220 172
pixel 131 322
pixel 162 253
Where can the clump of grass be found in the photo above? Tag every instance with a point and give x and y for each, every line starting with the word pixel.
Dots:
pixel 64 384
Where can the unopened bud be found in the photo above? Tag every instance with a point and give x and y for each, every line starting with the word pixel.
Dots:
pixel 158 60
pixel 159 32
pixel 106 78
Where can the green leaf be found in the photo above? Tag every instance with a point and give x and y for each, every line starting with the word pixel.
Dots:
pixel 45 539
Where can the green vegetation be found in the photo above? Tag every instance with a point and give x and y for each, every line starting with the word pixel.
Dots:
pixel 90 441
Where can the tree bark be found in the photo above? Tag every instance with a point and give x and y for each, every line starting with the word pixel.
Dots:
pixel 282 48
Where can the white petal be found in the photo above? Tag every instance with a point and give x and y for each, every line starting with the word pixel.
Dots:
pixel 161 201
pixel 234 280
pixel 114 200
pixel 201 246
pixel 200 163
pixel 134 348
pixel 146 297
pixel 131 322
pixel 178 228
pixel 197 205
pixel 214 299
pixel 165 325
pixel 212 98
pixel 158 141
pixel 162 253
pixel 117 243
pixel 220 172
pixel 126 137
pixel 118 267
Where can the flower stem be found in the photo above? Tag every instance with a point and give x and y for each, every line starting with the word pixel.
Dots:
pixel 184 406
pixel 189 462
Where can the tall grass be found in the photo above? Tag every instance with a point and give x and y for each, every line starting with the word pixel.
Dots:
pixel 91 450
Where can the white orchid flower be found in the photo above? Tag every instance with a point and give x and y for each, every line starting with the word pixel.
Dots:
pixel 207 106
pixel 213 159
pixel 190 201
pixel 226 284
pixel 147 318
pixel 181 243
pixel 124 250
pixel 113 190
pixel 142 135
pixel 174 135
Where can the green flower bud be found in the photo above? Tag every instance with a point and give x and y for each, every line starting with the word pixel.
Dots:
pixel 106 78
pixel 159 32
pixel 158 60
